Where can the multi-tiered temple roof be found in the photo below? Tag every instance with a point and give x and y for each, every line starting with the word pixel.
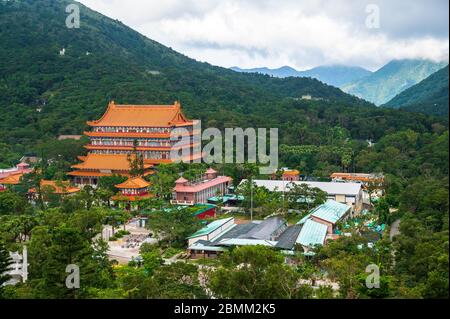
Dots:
pixel 142 116
pixel 143 130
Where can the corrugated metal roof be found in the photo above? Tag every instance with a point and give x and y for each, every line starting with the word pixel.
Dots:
pixel 211 227
pixel 266 229
pixel 304 219
pixel 238 231
pixel 289 237
pixel 312 233
pixel 331 211
pixel 205 245
pixel 246 242
pixel 331 188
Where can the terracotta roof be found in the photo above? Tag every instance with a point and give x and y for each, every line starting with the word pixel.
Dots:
pixel 291 172
pixel 114 162
pixel 186 188
pixel 357 176
pixel 142 116
pixel 211 171
pixel 65 187
pixel 181 180
pixel 12 179
pixel 88 174
pixel 134 183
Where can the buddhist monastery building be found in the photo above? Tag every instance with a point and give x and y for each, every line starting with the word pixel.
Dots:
pixel 95 166
pixel 290 175
pixel 124 129
pixel 199 191
pixel 286 174
pixel 150 126
pixel 57 187
pixel 134 189
pixel 12 176
pixel 374 182
pixel 358 177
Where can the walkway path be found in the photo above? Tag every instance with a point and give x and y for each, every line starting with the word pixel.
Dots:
pixel 394 229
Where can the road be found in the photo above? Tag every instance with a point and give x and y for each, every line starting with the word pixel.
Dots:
pixel 394 229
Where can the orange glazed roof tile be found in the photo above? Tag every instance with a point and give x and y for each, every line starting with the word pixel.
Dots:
pixel 291 172
pixel 88 174
pixel 13 179
pixel 64 188
pixel 142 116
pixel 113 162
pixel 134 183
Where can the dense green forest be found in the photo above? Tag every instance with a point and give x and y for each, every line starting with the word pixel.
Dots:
pixel 44 94
pixel 430 96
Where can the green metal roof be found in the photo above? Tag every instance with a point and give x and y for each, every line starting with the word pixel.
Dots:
pixel 312 233
pixel 331 211
pixel 204 208
pixel 211 227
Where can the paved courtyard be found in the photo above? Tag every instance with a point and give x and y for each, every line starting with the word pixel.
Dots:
pixel 126 248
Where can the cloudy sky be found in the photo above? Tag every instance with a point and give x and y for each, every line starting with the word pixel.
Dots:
pixel 298 33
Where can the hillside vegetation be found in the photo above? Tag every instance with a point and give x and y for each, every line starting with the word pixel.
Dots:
pixel 393 78
pixel 43 94
pixel 429 96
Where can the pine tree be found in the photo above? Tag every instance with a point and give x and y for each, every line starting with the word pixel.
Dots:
pixel 5 262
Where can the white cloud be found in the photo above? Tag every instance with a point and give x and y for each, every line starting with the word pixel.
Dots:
pixel 301 34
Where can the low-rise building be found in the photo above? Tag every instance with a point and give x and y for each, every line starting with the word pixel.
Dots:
pixel 312 234
pixel 211 231
pixel 62 188
pixel 346 193
pixel 329 214
pixel 12 176
pixel 199 191
pixel 272 232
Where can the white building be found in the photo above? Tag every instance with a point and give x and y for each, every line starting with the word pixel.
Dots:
pixel 346 193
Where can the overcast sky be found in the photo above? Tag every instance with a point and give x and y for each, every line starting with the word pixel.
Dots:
pixel 298 33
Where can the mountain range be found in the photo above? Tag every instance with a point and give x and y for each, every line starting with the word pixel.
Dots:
pixel 53 79
pixel 429 96
pixel 377 87
pixel 392 79
pixel 335 75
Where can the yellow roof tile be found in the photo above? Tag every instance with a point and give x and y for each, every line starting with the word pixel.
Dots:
pixel 134 183
pixel 113 162
pixel 142 116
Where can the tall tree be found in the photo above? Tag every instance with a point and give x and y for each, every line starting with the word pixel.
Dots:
pixel 5 263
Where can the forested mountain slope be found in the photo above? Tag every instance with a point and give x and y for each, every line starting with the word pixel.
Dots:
pixel 393 78
pixel 104 60
pixel 44 94
pixel 429 96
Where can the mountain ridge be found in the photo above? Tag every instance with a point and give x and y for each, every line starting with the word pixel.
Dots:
pixel 391 79
pixel 46 94
pixel 335 75
pixel 430 96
